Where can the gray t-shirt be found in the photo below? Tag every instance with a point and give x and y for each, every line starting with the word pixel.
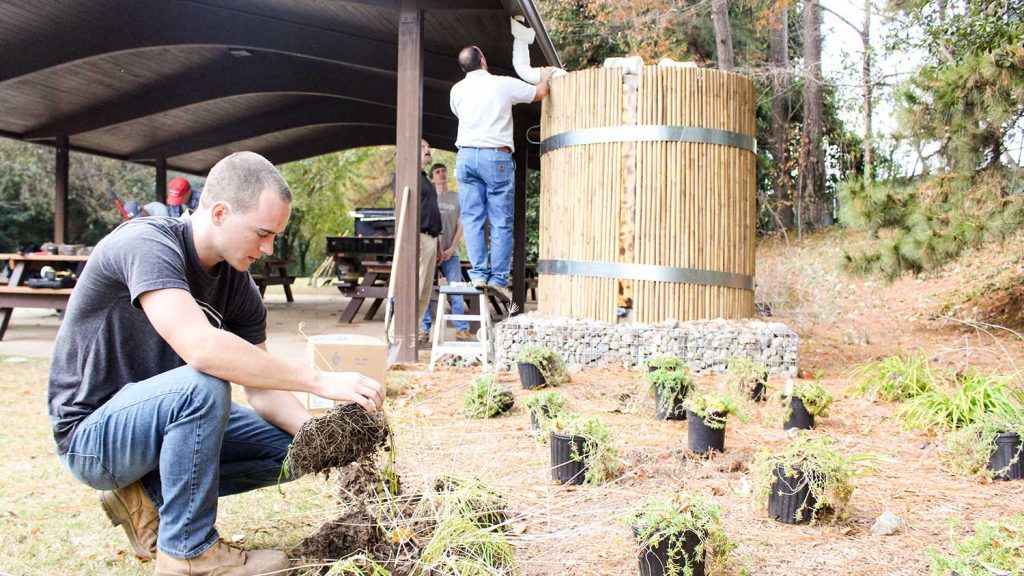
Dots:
pixel 448 203
pixel 106 341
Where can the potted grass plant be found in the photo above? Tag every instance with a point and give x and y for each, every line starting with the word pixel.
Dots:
pixel 895 378
pixel 706 417
pixel 964 400
pixel 990 448
pixel 485 398
pixel 670 387
pixel 543 406
pixel 747 378
pixel 681 536
pixel 808 477
pixel 807 400
pixel 540 366
pixel 581 449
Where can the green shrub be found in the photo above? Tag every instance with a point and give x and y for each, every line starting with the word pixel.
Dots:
pixel 714 407
pixel 601 457
pixel 669 384
pixel 894 378
pixel 969 448
pixel 547 361
pixel 659 519
pixel 744 374
pixel 545 406
pixel 828 473
pixel 486 399
pixel 993 549
pixel 817 400
pixel 665 363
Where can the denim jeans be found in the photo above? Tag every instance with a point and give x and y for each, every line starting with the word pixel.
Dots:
pixel 180 433
pixel 486 193
pixel 451 269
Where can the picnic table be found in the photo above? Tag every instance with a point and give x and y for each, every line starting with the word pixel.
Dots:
pixel 373 285
pixel 16 294
pixel 272 273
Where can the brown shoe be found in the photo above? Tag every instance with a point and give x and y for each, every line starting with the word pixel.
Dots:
pixel 130 508
pixel 224 560
pixel 464 336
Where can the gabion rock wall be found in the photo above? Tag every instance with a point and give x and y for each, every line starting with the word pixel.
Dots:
pixel 704 345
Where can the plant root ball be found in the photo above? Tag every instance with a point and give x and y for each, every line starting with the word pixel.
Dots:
pixel 345 434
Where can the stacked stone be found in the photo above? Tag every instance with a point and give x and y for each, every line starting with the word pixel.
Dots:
pixel 704 345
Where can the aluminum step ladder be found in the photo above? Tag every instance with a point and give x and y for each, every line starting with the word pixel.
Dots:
pixel 483 348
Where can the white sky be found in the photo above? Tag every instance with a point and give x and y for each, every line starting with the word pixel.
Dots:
pixel 841 61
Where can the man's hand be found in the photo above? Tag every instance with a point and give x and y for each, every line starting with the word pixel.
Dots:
pixel 350 387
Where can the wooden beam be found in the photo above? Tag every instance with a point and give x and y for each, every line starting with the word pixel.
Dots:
pixel 320 112
pixel 161 180
pixel 407 164
pixel 60 203
pixel 257 74
pixel 519 221
pixel 342 138
pixel 475 6
pixel 159 23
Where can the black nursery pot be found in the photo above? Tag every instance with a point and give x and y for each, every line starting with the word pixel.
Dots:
pixel 758 394
pixel 790 500
pixel 670 409
pixel 564 469
pixel 530 376
pixel 534 422
pixel 799 417
pixel 655 561
pixel 1007 449
pixel 703 438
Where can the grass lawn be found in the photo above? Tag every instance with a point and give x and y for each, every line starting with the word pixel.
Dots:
pixel 51 524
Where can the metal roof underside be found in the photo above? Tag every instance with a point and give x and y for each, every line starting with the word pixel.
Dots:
pixel 190 81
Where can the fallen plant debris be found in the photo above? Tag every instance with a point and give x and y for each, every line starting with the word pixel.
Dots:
pixel 456 525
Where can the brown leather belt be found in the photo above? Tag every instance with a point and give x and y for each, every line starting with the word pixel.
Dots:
pixel 505 149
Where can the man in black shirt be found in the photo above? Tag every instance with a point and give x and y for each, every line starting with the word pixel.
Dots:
pixel 430 235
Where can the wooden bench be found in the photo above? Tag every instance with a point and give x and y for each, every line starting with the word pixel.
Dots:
pixel 374 286
pixel 15 294
pixel 274 273
pixel 12 297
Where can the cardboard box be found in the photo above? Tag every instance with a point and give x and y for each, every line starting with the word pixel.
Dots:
pixel 344 353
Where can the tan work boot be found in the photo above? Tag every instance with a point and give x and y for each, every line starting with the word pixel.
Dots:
pixel 224 560
pixel 130 508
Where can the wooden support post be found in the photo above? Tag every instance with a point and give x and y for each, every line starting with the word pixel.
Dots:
pixel 407 173
pixel 60 204
pixel 161 180
pixel 522 157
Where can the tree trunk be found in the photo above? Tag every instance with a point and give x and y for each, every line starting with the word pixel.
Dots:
pixel 812 181
pixel 869 152
pixel 723 34
pixel 778 46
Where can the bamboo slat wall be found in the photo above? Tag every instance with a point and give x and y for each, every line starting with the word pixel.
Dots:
pixel 674 204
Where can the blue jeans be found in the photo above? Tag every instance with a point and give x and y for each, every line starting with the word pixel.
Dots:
pixel 486 192
pixel 180 433
pixel 451 269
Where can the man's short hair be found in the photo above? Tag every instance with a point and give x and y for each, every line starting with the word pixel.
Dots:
pixel 470 58
pixel 435 167
pixel 240 178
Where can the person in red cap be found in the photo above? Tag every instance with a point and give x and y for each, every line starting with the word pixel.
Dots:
pixel 181 195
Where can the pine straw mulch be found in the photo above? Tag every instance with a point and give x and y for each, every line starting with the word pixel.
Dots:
pixel 576 530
